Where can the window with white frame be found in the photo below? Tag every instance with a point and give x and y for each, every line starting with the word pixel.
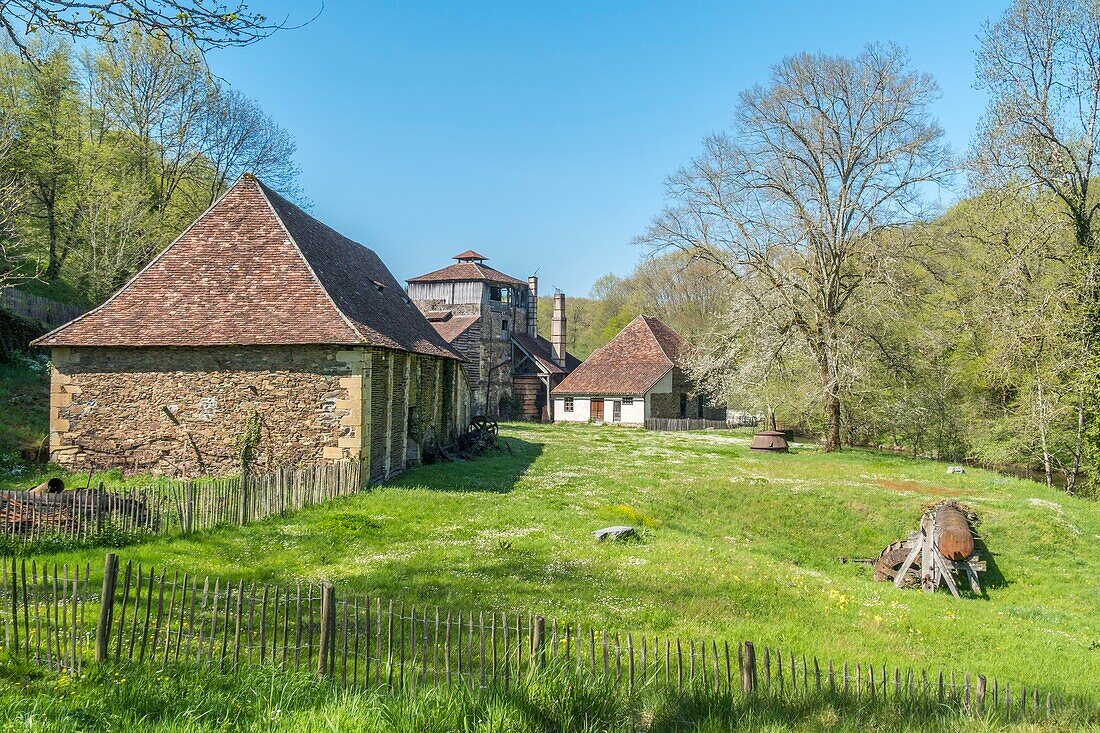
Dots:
pixel 628 401
pixel 568 404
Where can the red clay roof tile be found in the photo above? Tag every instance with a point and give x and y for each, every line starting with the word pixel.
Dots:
pixel 255 269
pixel 469 271
pixel 454 326
pixel 630 364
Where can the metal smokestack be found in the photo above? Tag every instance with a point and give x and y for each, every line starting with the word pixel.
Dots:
pixel 533 306
pixel 557 330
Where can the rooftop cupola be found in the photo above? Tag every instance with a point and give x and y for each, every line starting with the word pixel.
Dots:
pixel 470 256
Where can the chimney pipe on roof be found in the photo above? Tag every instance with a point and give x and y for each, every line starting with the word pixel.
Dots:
pixel 557 330
pixel 532 306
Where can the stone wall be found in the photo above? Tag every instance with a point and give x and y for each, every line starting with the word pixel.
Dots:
pixel 488 352
pixel 667 405
pixel 180 410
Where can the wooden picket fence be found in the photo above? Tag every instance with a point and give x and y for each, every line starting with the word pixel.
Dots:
pixel 80 514
pixel 679 425
pixel 169 507
pixel 67 618
pixel 38 308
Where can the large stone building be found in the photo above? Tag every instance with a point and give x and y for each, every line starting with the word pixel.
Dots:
pixel 256 311
pixel 634 377
pixel 490 318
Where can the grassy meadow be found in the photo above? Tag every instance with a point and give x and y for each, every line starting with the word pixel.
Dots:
pixel 189 700
pixel 734 545
pixel 24 414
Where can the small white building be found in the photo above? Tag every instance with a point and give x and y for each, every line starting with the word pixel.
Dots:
pixel 635 377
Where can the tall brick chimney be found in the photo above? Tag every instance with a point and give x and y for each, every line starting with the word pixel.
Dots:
pixel 557 330
pixel 533 306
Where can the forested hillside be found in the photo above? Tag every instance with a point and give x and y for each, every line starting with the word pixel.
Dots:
pixel 109 149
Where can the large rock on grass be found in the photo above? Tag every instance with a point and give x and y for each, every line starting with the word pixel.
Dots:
pixel 615 533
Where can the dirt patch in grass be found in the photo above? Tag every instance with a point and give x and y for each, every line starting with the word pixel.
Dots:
pixel 907 486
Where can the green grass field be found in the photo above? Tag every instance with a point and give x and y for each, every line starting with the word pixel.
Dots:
pixel 188 700
pixel 24 407
pixel 735 545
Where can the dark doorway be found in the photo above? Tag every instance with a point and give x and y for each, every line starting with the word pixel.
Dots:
pixel 683 405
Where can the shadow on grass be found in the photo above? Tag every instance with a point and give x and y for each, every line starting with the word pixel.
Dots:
pixel 553 699
pixel 992 578
pixel 821 710
pixel 496 472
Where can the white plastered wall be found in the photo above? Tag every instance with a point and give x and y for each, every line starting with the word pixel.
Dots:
pixel 581 410
pixel 633 414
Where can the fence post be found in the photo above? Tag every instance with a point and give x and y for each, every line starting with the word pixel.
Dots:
pixel 328 623
pixel 242 516
pixel 188 507
pixel 106 607
pixel 748 670
pixel 538 634
pixel 15 606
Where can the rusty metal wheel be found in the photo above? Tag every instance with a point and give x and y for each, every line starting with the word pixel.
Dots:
pixel 889 562
pixel 482 424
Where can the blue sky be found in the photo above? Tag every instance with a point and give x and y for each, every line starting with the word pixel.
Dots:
pixel 540 133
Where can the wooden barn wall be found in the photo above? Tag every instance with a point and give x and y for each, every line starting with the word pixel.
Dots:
pixel 457 293
pixel 527 390
pixel 469 345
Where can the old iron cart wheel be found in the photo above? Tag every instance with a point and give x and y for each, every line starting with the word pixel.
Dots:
pixel 484 425
pixel 889 562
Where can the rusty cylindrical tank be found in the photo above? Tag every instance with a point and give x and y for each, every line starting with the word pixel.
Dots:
pixel 953 535
pixel 769 440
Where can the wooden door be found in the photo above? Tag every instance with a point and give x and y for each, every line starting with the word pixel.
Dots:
pixel 616 411
pixel 597 409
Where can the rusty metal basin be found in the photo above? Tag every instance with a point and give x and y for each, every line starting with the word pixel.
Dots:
pixel 769 440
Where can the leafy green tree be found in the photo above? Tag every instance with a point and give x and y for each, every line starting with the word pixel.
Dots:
pixel 44 103
pixel 1040 62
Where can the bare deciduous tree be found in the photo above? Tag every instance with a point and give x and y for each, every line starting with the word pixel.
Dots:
pixel 198 23
pixel 1040 64
pixel 241 138
pixel 790 202
pixel 115 235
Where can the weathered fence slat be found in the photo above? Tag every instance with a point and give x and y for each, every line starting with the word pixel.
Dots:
pixel 167 507
pixel 150 617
